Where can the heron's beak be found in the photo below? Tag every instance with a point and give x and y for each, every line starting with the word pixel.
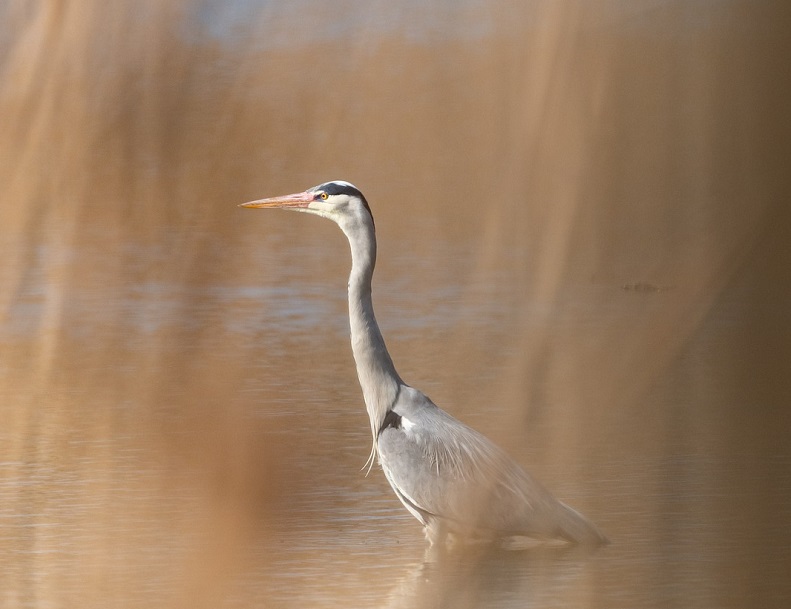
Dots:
pixel 300 199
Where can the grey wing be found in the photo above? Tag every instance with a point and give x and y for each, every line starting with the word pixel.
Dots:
pixel 442 469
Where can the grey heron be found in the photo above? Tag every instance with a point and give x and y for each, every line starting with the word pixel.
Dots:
pixel 450 477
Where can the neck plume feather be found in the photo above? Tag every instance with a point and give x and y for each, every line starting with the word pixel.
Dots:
pixel 377 374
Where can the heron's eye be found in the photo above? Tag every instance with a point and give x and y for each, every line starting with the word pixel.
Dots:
pixel 324 196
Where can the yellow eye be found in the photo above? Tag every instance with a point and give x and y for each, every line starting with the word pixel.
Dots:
pixel 324 196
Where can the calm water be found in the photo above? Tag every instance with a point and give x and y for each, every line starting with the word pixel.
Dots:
pixel 584 253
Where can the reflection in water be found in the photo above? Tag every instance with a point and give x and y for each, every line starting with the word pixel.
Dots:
pixel 180 422
pixel 488 577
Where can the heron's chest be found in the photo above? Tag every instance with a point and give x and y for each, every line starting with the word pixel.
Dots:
pixel 393 420
pixel 402 447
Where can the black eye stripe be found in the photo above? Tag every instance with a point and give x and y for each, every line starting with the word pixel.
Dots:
pixel 337 188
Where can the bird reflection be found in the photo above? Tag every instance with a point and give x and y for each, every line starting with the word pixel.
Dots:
pixel 485 575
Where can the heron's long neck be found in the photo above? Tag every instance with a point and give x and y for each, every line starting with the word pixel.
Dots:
pixel 378 377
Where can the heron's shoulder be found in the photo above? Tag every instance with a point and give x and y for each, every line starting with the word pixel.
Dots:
pixel 418 409
pixel 444 449
pixel 442 435
pixel 410 400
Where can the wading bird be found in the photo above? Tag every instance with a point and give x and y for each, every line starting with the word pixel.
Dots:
pixel 450 477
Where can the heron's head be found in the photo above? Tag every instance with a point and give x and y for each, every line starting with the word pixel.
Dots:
pixel 337 200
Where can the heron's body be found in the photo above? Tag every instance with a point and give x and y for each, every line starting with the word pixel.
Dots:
pixel 454 480
pixel 450 477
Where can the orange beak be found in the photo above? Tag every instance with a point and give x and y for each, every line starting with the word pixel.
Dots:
pixel 300 199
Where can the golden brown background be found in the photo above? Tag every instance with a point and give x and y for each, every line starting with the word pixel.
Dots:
pixel 585 252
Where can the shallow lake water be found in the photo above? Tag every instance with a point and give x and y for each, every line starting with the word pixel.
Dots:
pixel 583 253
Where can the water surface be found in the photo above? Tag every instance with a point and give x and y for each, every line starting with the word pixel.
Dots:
pixel 584 253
